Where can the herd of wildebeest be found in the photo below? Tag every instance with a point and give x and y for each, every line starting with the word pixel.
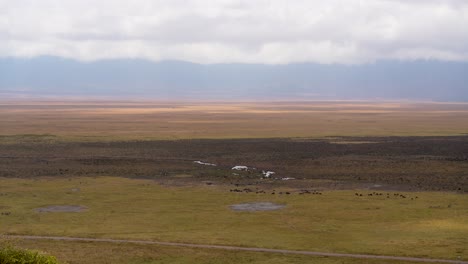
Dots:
pixel 273 192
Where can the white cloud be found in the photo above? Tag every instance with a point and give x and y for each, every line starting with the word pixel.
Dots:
pixel 274 31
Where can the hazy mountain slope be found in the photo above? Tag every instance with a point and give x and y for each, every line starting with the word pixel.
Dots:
pixel 175 79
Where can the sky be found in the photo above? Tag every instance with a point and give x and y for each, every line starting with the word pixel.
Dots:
pixel 230 31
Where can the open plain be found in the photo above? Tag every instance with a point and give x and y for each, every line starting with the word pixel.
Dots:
pixel 378 178
pixel 113 120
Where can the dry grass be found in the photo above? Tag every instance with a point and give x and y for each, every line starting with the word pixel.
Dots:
pixel 175 120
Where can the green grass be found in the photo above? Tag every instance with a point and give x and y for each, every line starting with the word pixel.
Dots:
pixel 12 255
pixel 434 225
pixel 122 253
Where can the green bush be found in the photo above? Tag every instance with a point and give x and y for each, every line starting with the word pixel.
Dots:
pixel 10 255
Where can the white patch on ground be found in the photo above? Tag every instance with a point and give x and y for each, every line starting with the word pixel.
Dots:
pixel 204 163
pixel 267 174
pixel 240 168
pixel 287 179
pixel 257 206
pixel 61 208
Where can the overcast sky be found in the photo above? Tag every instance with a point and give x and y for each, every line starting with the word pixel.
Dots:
pixel 251 31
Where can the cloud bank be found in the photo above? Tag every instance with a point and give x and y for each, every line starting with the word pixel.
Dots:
pixel 228 31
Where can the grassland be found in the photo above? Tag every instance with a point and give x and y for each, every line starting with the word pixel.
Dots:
pixel 123 120
pixel 131 164
pixel 433 225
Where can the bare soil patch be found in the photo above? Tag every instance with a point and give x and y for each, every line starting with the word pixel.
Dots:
pixel 61 209
pixel 257 206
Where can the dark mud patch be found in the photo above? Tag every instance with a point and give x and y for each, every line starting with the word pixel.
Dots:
pixel 257 206
pixel 61 209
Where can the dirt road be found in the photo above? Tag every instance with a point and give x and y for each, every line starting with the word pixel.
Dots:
pixel 282 251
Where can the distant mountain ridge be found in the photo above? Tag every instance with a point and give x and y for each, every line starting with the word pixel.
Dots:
pixel 54 76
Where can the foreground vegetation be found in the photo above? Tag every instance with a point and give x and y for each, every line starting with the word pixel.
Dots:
pixel 432 225
pixel 11 255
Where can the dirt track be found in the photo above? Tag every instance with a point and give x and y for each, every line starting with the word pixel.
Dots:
pixel 282 251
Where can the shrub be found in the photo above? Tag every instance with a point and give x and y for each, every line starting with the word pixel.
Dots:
pixel 10 255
